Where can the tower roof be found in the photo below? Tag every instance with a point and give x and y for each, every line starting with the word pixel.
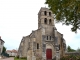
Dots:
pixel 44 9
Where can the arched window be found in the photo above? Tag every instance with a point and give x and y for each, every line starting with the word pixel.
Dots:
pixel 50 21
pixel 45 13
pixel 49 13
pixel 45 20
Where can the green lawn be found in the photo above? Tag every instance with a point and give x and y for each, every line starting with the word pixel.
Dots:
pixel 19 59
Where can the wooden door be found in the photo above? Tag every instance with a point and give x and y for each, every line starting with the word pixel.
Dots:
pixel 48 54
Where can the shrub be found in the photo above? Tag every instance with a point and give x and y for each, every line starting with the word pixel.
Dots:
pixel 71 57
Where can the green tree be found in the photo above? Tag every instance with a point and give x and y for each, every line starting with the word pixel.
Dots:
pixel 66 11
pixel 69 49
pixel 4 52
pixel 4 49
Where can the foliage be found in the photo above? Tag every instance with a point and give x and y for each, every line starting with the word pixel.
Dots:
pixel 69 49
pixel 71 57
pixel 4 49
pixel 66 11
pixel 4 52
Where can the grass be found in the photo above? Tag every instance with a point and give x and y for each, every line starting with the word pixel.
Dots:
pixel 19 59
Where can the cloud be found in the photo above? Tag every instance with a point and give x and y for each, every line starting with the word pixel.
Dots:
pixel 19 17
pixel 72 39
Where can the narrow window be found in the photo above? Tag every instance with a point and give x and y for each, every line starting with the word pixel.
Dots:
pixel 59 47
pixel 45 20
pixel 50 37
pixel 49 13
pixel 50 22
pixel 37 46
pixel 47 37
pixel 45 13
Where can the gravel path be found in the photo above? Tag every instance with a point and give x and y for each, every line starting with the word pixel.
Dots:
pixel 8 58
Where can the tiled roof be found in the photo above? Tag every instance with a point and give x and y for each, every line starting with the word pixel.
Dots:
pixel 14 51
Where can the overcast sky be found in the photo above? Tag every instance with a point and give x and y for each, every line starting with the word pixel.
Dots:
pixel 19 17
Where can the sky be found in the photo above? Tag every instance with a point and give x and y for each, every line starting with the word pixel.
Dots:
pixel 19 17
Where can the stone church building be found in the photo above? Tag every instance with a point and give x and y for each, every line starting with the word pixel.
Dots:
pixel 46 42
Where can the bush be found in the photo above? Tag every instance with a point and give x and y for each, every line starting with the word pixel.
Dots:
pixel 71 57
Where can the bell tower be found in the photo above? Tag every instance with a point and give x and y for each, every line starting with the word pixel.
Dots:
pixel 45 18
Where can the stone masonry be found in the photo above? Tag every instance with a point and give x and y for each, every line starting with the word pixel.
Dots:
pixel 37 45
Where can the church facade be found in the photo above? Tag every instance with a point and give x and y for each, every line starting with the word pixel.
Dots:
pixel 45 42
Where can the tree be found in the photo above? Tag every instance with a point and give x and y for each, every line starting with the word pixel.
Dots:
pixel 69 49
pixel 4 49
pixel 66 11
pixel 4 52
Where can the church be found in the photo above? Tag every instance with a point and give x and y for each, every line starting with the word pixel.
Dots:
pixel 45 43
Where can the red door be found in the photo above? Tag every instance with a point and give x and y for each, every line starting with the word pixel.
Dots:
pixel 48 54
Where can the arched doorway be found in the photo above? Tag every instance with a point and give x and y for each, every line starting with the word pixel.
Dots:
pixel 48 54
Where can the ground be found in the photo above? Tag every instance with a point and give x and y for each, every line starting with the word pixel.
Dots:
pixel 11 58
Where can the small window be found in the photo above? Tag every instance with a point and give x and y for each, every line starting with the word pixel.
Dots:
pixel 50 37
pixel 59 47
pixel 45 13
pixel 47 37
pixel 37 46
pixel 49 13
pixel 50 21
pixel 45 20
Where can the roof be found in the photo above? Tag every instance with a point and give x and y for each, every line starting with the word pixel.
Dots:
pixel 8 51
pixel 2 40
pixel 44 8
pixel 14 51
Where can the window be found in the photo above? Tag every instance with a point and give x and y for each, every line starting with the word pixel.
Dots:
pixel 45 20
pixel 37 45
pixel 45 13
pixel 47 37
pixel 50 22
pixel 50 37
pixel 49 13
pixel 59 47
